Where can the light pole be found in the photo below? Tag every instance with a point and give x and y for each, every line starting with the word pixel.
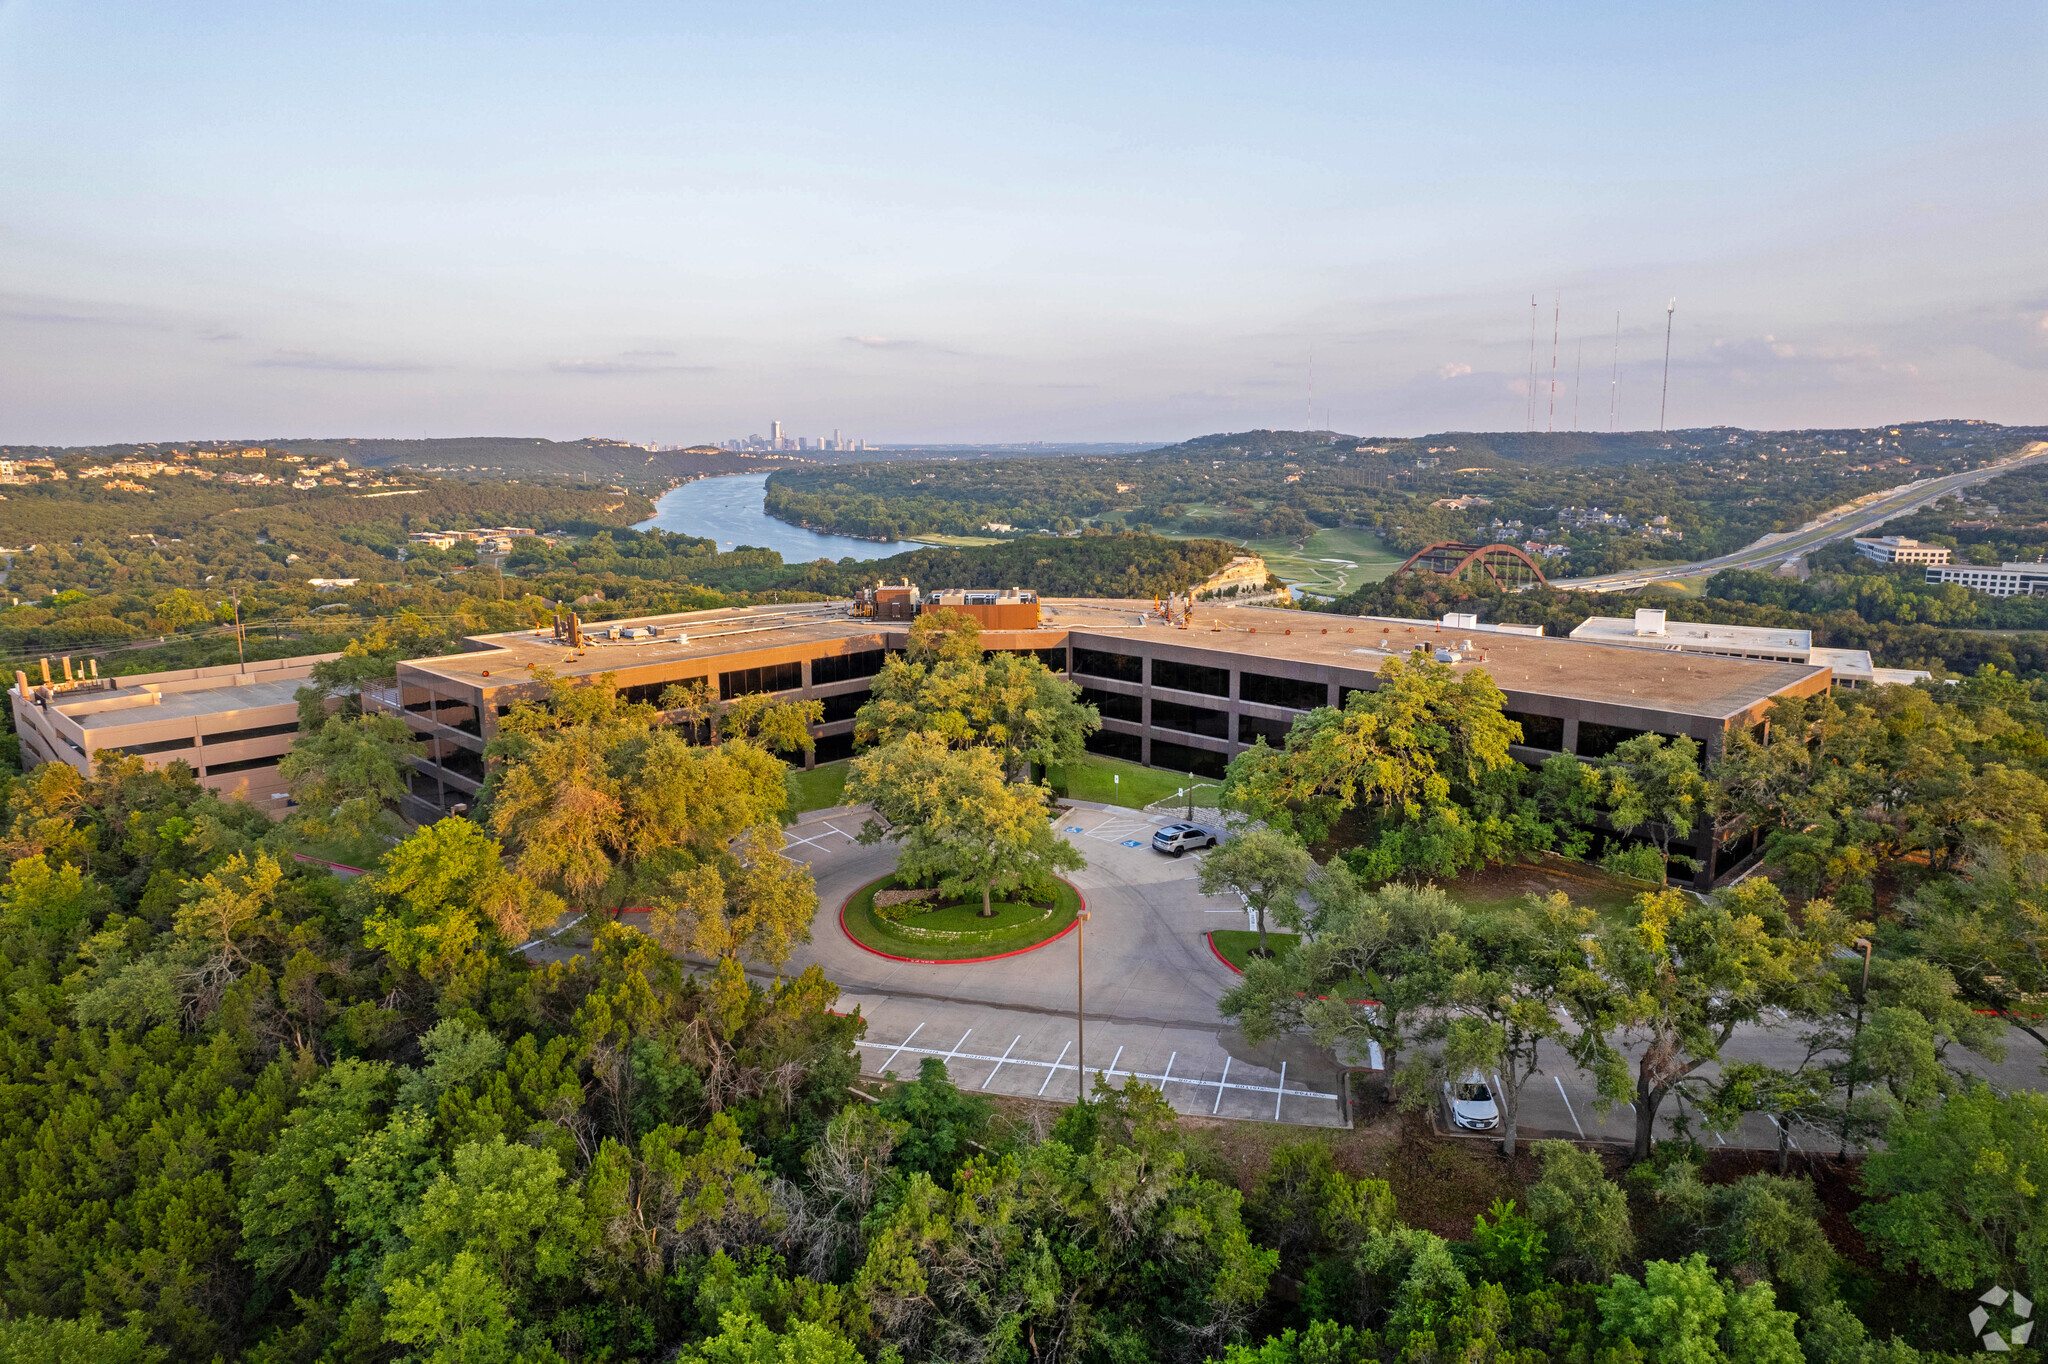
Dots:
pixel 1080 1014
pixel 1849 1104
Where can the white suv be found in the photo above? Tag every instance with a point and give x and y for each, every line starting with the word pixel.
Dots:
pixel 1178 838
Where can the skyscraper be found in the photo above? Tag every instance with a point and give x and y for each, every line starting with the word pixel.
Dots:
pixel 837 444
pixel 775 440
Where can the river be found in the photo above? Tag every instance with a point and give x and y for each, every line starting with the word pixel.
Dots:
pixel 728 509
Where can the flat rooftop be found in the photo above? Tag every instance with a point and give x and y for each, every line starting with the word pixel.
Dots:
pixel 115 710
pixel 1601 671
pixel 1697 634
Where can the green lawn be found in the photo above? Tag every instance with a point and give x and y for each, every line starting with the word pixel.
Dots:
pixel 821 788
pixel 1332 562
pixel 1491 887
pixel 1015 926
pixel 1235 945
pixel 1112 781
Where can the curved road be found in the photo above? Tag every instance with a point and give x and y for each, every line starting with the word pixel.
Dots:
pixel 1837 525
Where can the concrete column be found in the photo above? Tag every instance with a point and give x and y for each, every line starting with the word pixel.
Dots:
pixel 1571 736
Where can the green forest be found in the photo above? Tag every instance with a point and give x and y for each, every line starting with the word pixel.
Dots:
pixel 1717 490
pixel 451 1110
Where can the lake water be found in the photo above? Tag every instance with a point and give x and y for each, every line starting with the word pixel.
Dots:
pixel 728 509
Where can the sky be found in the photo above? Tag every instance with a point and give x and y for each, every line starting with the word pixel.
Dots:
pixel 974 222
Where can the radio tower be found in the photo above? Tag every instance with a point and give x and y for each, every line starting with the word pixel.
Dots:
pixel 1614 384
pixel 1532 362
pixel 1550 422
pixel 1669 309
pixel 1578 375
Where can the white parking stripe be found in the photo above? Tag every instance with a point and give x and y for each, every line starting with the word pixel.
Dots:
pixel 1053 1069
pixel 1006 1056
pixel 1219 1087
pixel 954 1053
pixel 1568 1106
pixel 1279 1091
pixel 957 1045
pixel 906 1042
pixel 1111 1076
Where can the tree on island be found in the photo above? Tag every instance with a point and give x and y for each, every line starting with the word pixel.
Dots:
pixel 960 825
pixel 1011 704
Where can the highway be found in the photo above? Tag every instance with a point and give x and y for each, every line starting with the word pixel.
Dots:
pixel 1836 525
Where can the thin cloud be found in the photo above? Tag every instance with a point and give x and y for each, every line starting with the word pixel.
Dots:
pixel 44 311
pixel 900 343
pixel 1454 370
pixel 341 364
pixel 623 366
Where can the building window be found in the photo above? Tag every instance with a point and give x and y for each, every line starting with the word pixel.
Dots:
pixel 649 693
pixel 243 765
pixel 1214 724
pixel 1251 728
pixel 231 736
pixel 1055 659
pixel 1117 667
pixel 1114 705
pixel 1597 740
pixel 748 681
pixel 843 706
pixel 832 747
pixel 846 667
pixel 1290 692
pixel 1539 731
pixel 143 750
pixel 1190 677
pixel 1199 762
pixel 1344 695
pixel 1113 744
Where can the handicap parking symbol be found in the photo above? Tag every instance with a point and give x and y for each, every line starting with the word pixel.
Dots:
pixel 1073 828
pixel 1132 843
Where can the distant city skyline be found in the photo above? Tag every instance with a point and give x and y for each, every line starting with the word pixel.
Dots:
pixel 932 224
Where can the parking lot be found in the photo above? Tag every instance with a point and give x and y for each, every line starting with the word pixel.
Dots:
pixel 1009 1026
pixel 1152 985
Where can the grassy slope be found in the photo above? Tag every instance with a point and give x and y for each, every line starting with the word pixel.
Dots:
pixel 821 788
pixel 1091 779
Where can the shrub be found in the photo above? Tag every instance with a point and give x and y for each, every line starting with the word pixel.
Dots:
pixel 1638 861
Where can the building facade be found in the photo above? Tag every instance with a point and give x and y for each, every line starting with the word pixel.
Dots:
pixel 231 725
pixel 1899 549
pixel 2006 580
pixel 1186 697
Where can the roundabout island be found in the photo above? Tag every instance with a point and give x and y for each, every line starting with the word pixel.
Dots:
pixel 931 930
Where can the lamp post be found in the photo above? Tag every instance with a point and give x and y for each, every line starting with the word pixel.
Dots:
pixel 1080 1014
pixel 1849 1104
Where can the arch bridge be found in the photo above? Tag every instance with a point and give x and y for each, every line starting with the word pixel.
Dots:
pixel 1506 565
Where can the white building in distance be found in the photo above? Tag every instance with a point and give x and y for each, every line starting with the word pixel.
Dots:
pixel 1900 549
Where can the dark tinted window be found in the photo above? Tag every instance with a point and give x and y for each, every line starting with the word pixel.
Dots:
pixel 1114 705
pixel 243 765
pixel 833 747
pixel 1190 677
pixel 1598 740
pixel 229 736
pixel 1344 695
pixel 747 681
pixel 842 706
pixel 1122 667
pixel 1215 724
pixel 1291 692
pixel 1251 728
pixel 160 746
pixel 846 667
pixel 1539 731
pixel 1112 744
pixel 1183 758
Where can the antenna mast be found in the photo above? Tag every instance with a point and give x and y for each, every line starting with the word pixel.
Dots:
pixel 1578 374
pixel 1532 362
pixel 1550 423
pixel 1614 384
pixel 1669 309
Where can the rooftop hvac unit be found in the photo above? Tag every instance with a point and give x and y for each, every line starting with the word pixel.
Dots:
pixel 1649 622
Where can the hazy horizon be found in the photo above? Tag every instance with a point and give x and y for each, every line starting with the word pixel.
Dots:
pixel 919 225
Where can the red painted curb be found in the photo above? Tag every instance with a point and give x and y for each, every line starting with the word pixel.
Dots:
pixel 961 961
pixel 1210 938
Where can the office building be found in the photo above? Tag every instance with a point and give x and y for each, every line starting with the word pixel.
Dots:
pixel 1183 698
pixel 231 725
pixel 2006 580
pixel 1650 629
pixel 1898 549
